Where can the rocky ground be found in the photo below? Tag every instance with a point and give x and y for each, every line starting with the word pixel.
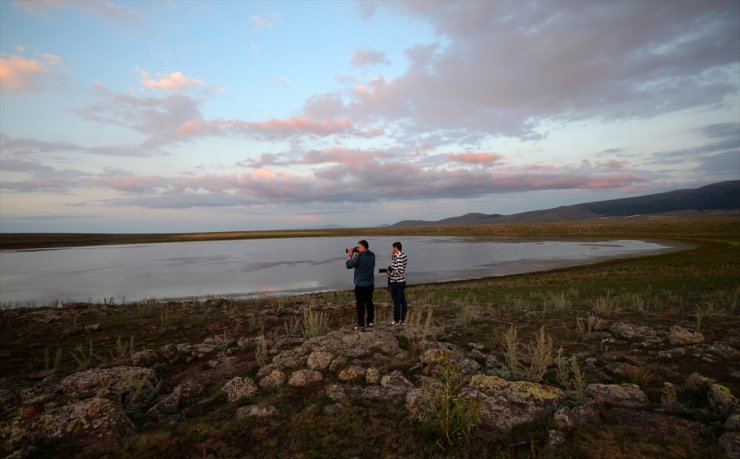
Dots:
pixel 631 395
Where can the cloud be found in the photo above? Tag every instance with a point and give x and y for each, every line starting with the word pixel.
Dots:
pixel 262 22
pixel 281 80
pixel 474 158
pixel 362 58
pixel 175 81
pixel 503 68
pixel 18 74
pixel 104 8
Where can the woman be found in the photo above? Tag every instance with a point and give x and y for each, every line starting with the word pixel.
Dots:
pixel 397 279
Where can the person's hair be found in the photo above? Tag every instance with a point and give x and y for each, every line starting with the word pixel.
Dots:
pixel 398 245
pixel 364 243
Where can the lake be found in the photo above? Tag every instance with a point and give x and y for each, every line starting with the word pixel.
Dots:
pixel 257 267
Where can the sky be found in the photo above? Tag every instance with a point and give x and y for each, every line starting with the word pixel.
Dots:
pixel 182 116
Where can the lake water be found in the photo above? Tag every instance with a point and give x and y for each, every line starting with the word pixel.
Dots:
pixel 275 266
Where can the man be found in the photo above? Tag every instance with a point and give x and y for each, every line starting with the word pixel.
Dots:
pixel 397 280
pixel 363 262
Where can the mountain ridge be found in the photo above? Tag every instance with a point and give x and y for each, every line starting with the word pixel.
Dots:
pixel 716 197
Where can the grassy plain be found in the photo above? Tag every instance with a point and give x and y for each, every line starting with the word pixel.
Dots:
pixel 698 289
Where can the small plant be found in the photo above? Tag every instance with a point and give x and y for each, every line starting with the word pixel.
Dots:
pixel 261 352
pixel 556 301
pixel 124 348
pixel 604 305
pixel 85 357
pixel 467 314
pixel 315 323
pixel 255 322
pixel 57 360
pixel 511 351
pixel 569 374
pixel 541 355
pixel 292 326
pixel 642 377
pixel 230 308
pixel 164 319
pixel 448 414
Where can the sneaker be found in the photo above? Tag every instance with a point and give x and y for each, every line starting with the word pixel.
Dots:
pixel 393 322
pixel 370 324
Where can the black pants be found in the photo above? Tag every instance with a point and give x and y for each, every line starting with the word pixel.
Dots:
pixel 364 299
pixel 398 294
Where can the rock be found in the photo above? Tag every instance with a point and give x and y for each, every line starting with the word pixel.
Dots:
pixel 679 336
pixel 259 410
pixel 507 404
pixel 729 442
pixel 396 379
pixel 354 345
pixel 623 369
pixel 672 353
pixel 570 418
pixel 725 351
pixel 145 358
pixel 555 439
pixel 167 404
pixel 351 373
pixel 375 392
pixel 720 398
pixel 303 378
pixel 201 350
pixel 294 358
pixel 96 422
pixel 190 388
pixel 184 348
pixel 627 395
pixel 372 376
pixel 266 370
pixel 735 375
pixel 38 394
pixel 274 379
pixel 492 362
pixel 333 409
pixel 416 401
pixel 239 388
pixel 659 427
pixel 92 327
pixel 732 423
pixel 338 362
pixel 319 360
pixel 336 393
pixel 125 383
pixel 635 333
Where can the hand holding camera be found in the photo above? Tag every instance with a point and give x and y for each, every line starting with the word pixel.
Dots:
pixel 387 270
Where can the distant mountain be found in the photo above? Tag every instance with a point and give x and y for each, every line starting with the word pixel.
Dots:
pixel 720 196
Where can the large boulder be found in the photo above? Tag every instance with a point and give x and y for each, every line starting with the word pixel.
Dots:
pixel 507 404
pixel 239 388
pixel 303 378
pixel 351 373
pixel 627 395
pixel 319 360
pixel 679 336
pixel 124 383
pixel 720 397
pixel 259 410
pixel 95 423
pixel 273 379
pixel 635 333
pixel 354 345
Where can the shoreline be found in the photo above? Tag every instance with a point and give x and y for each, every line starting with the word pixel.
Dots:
pixel 658 228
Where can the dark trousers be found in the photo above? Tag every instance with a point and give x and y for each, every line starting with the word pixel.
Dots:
pixel 364 299
pixel 398 295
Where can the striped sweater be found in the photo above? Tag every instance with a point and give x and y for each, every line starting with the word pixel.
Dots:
pixel 398 265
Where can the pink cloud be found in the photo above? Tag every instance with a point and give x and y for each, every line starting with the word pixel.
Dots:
pixel 175 81
pixel 302 124
pixel 474 158
pixel 20 74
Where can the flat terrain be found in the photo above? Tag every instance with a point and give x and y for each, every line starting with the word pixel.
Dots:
pixel 612 319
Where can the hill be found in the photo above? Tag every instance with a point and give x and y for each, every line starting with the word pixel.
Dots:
pixel 717 197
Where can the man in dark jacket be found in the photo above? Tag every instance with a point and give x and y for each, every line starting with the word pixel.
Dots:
pixel 363 262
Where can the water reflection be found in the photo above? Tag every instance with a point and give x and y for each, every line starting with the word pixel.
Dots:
pixel 254 267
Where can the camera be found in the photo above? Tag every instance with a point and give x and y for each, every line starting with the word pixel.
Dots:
pixel 385 270
pixel 354 249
